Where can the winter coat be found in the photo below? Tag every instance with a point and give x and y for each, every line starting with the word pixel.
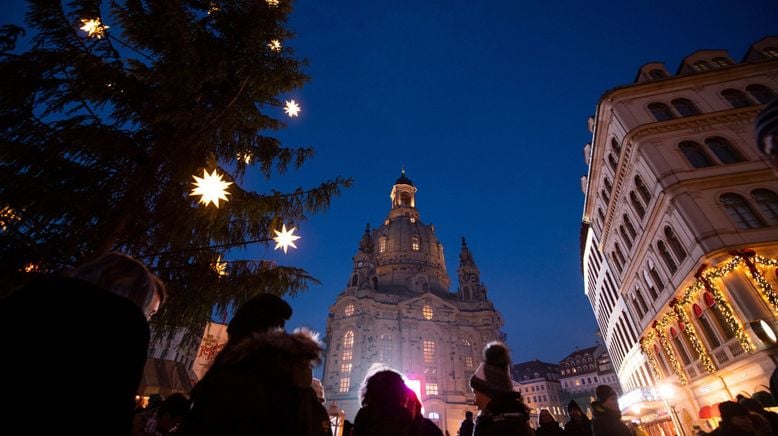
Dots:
pixel 425 427
pixel 579 428
pixel 505 415
pixel 260 385
pixel 384 421
pixel 549 429
pixel 64 337
pixel 729 430
pixel 466 428
pixel 607 422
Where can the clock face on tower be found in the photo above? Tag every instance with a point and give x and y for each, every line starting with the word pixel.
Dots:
pixel 360 264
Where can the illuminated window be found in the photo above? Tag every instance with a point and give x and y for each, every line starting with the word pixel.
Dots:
pixel 429 351
pixel 415 243
pixel 468 353
pixel 426 311
pixel 348 340
pixel 347 355
pixel 431 389
pixel 469 361
pixel 345 383
pixel 382 245
pixel 435 416
pixel 348 311
pixel 345 368
pixel 413 220
pixel 385 348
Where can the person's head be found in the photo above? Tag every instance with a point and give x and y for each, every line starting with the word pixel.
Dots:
pixel 384 388
pixel 125 276
pixel 733 414
pixel 172 411
pixel 319 389
pixel 262 313
pixel 492 377
pixel 412 403
pixel 469 415
pixel 545 417
pixel 576 414
pixel 766 126
pixel 607 397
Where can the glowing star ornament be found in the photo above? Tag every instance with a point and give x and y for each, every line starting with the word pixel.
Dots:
pixel 272 3
pixel 93 27
pixel 220 267
pixel 211 188
pixel 292 108
pixel 274 45
pixel 284 238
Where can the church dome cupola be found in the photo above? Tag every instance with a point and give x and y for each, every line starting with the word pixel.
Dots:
pixel 403 193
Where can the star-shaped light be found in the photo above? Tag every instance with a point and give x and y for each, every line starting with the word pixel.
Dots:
pixel 272 3
pixel 245 157
pixel 220 267
pixel 211 188
pixel 292 108
pixel 213 8
pixel 93 27
pixel 274 45
pixel 284 238
pixel 7 216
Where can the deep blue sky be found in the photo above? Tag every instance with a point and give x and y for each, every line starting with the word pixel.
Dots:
pixel 485 103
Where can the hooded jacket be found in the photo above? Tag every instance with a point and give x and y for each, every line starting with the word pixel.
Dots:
pixel 260 385
pixel 582 427
pixel 607 422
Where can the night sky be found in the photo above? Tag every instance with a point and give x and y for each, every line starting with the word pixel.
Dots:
pixel 485 104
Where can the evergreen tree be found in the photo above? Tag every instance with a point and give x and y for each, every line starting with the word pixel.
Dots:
pixel 101 135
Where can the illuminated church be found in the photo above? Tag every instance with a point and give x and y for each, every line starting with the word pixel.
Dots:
pixel 397 311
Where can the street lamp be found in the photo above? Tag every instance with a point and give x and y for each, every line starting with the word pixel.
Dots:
pixel 668 393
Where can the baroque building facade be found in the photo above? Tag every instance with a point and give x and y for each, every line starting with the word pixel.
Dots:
pixel 397 311
pixel 680 234
pixel 539 385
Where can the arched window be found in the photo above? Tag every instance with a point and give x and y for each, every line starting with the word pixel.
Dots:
pixel 761 93
pixel 642 189
pixel 641 301
pixel 608 185
pixel 354 279
pixel 616 146
pixel 629 226
pixel 625 237
pixel 600 214
pixel 666 257
pixel 685 107
pixel 620 254
pixel 723 150
pixel 657 74
pixel 701 66
pixel 616 261
pixel 385 348
pixel 675 244
pixel 612 161
pixel 707 329
pixel 770 52
pixel 652 288
pixel 655 275
pixel 661 359
pixel 639 209
pixel 736 98
pixel 695 154
pixel 415 243
pixel 767 201
pixel 428 351
pixel 740 211
pixel 660 111
pixel 723 325
pixel 680 348
pixel 722 61
pixel 467 352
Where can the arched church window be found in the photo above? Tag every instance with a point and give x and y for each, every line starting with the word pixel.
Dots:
pixel 428 351
pixel 348 311
pixel 385 348
pixel 467 350
pixel 426 312
pixel 382 244
pixel 415 246
pixel 354 279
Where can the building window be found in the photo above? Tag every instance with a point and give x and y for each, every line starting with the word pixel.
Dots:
pixel 429 351
pixel 655 275
pixel 701 66
pixel 345 368
pixel 722 62
pixel 413 220
pixel 666 257
pixel 616 261
pixel 348 311
pixel 736 98
pixel 435 416
pixel 426 311
pixel 685 107
pixel 740 212
pixel 630 228
pixel 770 52
pixel 761 93
pixel 707 329
pixel 641 303
pixel 616 146
pixel 642 189
pixel 415 243
pixel 620 254
pixel 385 348
pixel 625 237
pixel 695 154
pixel 348 340
pixel 605 196
pixel 679 346
pixel 612 161
pixel 675 244
pixel 660 111
pixel 723 150
pixel 344 384
pixel 657 74
pixel 639 209
pixel 347 354
pixel 382 245
pixel 468 353
pixel 767 201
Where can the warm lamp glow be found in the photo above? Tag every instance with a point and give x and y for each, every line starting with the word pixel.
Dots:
pixel 285 239
pixel 211 188
pixel 274 45
pixel 93 27
pixel 292 108
pixel 220 267
pixel 272 3
pixel 666 392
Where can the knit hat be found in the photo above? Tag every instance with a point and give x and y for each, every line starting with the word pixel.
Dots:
pixel 261 313
pixel 493 376
pixel 766 125
pixel 731 409
pixel 604 392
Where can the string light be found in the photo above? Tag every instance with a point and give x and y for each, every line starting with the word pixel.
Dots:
pixel 93 27
pixel 274 45
pixel 284 238
pixel 660 327
pixel 691 334
pixel 211 188
pixel 645 345
pixel 292 108
pixel 272 3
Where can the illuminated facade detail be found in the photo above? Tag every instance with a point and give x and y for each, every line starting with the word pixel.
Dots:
pixel 698 279
pixel 407 317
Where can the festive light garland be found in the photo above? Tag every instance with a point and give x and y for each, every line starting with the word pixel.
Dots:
pixel 705 277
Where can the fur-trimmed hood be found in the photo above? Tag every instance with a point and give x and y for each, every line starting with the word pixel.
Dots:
pixel 280 357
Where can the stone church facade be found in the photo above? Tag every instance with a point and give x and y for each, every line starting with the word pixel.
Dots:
pixel 397 311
